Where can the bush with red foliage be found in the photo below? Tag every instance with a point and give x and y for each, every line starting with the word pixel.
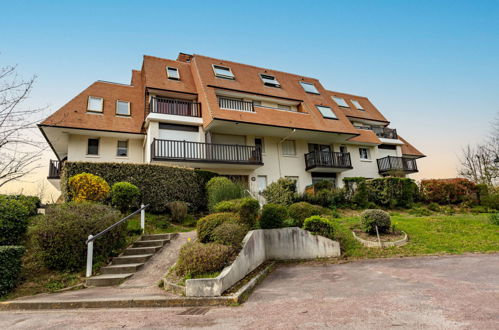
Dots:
pixel 449 191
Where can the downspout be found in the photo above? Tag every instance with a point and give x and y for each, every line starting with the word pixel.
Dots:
pixel 279 151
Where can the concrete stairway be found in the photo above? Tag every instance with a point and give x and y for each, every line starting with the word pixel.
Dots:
pixel 130 261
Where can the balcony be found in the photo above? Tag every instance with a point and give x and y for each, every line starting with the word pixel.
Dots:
pixel 54 169
pixel 200 152
pixel 175 107
pixel 326 160
pixel 397 164
pixel 382 132
pixel 235 104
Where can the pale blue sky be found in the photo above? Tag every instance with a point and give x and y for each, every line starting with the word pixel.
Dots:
pixel 432 67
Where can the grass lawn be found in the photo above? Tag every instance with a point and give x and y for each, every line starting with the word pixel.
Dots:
pixel 435 234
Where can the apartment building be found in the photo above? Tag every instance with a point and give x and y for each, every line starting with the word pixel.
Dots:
pixel 247 122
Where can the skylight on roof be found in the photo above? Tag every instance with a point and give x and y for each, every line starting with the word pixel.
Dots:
pixel 269 80
pixel 309 87
pixel 223 72
pixel 326 112
pixel 340 102
pixel 172 73
pixel 357 104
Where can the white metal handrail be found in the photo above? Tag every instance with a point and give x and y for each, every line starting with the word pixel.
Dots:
pixel 92 238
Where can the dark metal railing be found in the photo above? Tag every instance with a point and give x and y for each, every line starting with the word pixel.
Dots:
pixel 392 163
pixel 205 152
pixel 233 104
pixel 327 159
pixel 385 132
pixel 175 107
pixel 54 169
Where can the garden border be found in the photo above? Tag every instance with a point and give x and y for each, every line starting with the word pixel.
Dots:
pixel 377 244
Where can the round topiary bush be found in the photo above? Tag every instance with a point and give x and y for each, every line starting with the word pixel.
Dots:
pixel 280 192
pixel 221 189
pixel 302 210
pixel 125 196
pixel 374 217
pixel 13 221
pixel 273 216
pixel 196 258
pixel 87 187
pixel 207 225
pixel 319 226
pixel 247 208
pixel 62 232
pixel 231 234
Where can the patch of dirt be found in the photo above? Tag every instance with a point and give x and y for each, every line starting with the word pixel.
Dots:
pixel 384 237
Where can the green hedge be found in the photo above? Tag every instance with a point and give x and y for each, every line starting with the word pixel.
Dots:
pixel 10 267
pixel 31 202
pixel 13 221
pixel 158 184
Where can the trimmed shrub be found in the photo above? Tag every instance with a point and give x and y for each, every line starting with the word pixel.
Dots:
pixel 247 208
pixel 323 184
pixel 207 225
pixel 10 267
pixel 392 192
pixel 302 210
pixel 13 221
pixel 490 201
pixel 87 187
pixel 158 184
pixel 222 189
pixel 273 216
pixel 231 234
pixel 178 211
pixel 196 258
pixel 125 196
pixel 494 218
pixel 369 219
pixel 61 234
pixel 434 207
pixel 30 202
pixel 420 211
pixel 326 198
pixel 318 225
pixel 280 192
pixel 448 191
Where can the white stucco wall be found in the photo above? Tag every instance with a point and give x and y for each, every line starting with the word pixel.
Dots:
pixel 77 149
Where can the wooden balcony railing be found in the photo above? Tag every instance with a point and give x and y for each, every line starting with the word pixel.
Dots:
pixel 392 163
pixel 205 152
pixel 175 107
pixel 54 169
pixel 233 104
pixel 327 159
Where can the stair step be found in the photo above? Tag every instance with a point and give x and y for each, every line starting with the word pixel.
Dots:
pixel 141 250
pixel 139 258
pixel 156 237
pixel 107 279
pixel 157 242
pixel 121 269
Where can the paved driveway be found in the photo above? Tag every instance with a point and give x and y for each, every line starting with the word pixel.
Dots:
pixel 431 292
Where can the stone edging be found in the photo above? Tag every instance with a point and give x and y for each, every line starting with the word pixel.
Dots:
pixel 400 242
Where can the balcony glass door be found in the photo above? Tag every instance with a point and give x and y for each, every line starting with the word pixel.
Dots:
pixel 323 152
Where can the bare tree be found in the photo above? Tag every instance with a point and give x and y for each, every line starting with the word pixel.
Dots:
pixel 19 151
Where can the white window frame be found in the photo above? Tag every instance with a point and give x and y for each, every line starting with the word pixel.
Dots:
pixel 269 82
pixel 294 147
pixel 258 182
pixel 368 154
pixel 222 75
pixel 314 91
pixel 325 108
pixel 177 77
pixel 341 103
pixel 118 148
pixel 357 105
pixel 129 108
pixel 98 147
pixel 101 104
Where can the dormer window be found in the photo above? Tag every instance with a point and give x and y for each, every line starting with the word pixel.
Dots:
pixel 269 80
pixel 309 87
pixel 340 102
pixel 172 73
pixel 326 112
pixel 95 104
pixel 123 108
pixel 223 72
pixel 357 105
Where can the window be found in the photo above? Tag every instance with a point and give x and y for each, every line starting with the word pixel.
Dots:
pixel 318 177
pixel 269 80
pixel 123 108
pixel 259 143
pixel 364 153
pixel 178 127
pixel 387 146
pixel 223 72
pixel 172 73
pixel 95 104
pixel 289 148
pixel 93 147
pixel 309 87
pixel 326 112
pixel 262 182
pixel 343 149
pixel 357 104
pixel 284 107
pixel 122 150
pixel 340 102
